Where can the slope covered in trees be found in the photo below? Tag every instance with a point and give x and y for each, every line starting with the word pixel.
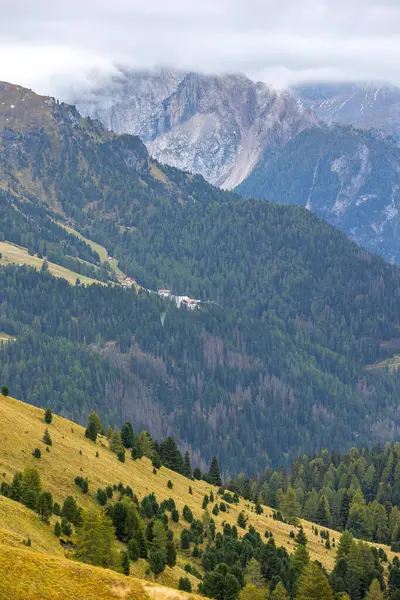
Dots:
pixel 358 491
pixel 81 499
pixel 296 311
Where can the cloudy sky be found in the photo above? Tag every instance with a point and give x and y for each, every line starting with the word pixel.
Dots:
pixel 48 44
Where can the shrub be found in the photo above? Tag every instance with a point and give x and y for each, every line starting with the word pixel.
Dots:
pixel 101 496
pixel 222 506
pixel 37 453
pixel 185 584
pixel 170 485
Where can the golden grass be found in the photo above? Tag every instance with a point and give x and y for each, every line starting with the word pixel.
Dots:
pixel 21 430
pixel 12 254
pixel 29 575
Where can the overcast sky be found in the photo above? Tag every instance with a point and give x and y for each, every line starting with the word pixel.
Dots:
pixel 44 44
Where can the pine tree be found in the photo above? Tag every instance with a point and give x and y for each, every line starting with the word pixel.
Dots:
pixel 375 592
pixel 44 506
pixel 133 548
pixel 323 513
pixel 170 554
pixel 4 390
pixel 289 506
pixel 187 466
pixel 141 543
pixel 242 520
pixel 136 448
pixel 91 431
pixel 48 417
pixel 127 435
pixel 156 561
pixel 301 537
pixel 313 585
pixel 214 474
pixel 47 438
pixel 94 426
pixel 57 529
pixel 300 558
pixel 126 563
pixel 116 442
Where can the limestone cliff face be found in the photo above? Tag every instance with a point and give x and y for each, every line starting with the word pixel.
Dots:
pixel 217 126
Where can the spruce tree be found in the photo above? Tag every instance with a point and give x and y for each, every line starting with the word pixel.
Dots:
pixel 57 529
pixel 133 548
pixel 301 537
pixel 127 435
pixel 126 563
pixel 47 438
pixel 323 513
pixel 187 466
pixel 4 390
pixel 48 416
pixel 214 474
pixel 91 431
pixel 170 554
pixel 242 520
pixel 136 448
pixel 156 561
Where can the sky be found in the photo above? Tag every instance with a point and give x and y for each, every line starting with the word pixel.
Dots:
pixel 49 45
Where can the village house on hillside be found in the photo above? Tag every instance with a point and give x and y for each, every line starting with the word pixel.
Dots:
pixel 190 303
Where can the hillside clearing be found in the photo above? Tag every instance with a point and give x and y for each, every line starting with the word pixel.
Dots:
pixel 12 254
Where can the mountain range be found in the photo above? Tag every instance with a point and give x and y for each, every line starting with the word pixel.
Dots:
pixel 362 104
pixel 270 144
pixel 296 328
pixel 216 126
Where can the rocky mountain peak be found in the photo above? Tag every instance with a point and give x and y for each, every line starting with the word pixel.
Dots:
pixel 215 125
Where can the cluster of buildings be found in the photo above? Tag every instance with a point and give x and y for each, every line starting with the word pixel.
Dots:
pixel 128 282
pixel 190 303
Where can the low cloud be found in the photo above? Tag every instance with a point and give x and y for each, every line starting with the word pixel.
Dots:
pixel 49 45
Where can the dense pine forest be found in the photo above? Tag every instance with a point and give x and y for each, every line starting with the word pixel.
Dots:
pixel 293 314
pixel 358 491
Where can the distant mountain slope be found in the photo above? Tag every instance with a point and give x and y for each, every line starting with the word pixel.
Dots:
pixel 217 126
pixel 362 104
pixel 296 310
pixel 350 177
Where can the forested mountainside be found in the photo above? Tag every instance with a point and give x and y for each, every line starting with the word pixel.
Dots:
pixel 295 310
pixel 362 104
pixel 348 176
pixel 213 125
pixel 358 491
